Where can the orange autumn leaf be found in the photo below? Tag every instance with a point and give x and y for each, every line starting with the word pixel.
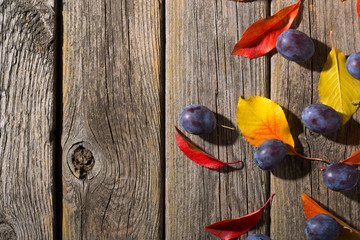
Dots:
pixel 358 7
pixel 260 38
pixel 353 159
pixel 311 208
pixel 261 119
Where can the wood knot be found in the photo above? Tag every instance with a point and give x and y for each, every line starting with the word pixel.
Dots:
pixel 83 161
pixel 7 232
pixel 31 23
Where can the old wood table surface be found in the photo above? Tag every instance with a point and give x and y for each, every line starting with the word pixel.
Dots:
pixel 98 85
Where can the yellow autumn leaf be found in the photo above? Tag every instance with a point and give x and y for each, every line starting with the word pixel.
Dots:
pixel 337 88
pixel 260 119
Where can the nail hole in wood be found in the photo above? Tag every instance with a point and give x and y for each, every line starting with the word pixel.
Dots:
pixel 83 161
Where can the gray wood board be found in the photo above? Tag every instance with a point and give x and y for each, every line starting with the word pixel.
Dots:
pixel 295 86
pixel 26 119
pixel 112 120
pixel 200 69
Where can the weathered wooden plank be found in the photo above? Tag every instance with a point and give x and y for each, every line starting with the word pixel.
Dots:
pixel 200 36
pixel 26 119
pixel 295 86
pixel 342 144
pixel 112 118
pixel 290 84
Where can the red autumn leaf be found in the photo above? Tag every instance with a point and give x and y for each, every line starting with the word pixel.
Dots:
pixel 195 153
pixel 260 38
pixel 311 208
pixel 233 228
pixel 358 7
pixel 353 159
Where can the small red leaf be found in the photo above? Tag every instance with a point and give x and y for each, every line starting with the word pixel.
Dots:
pixel 195 153
pixel 358 7
pixel 353 159
pixel 233 228
pixel 260 38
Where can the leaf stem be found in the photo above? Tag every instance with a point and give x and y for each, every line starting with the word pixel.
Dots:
pixel 325 167
pixel 311 159
pixel 227 127
pixel 267 202
pixel 331 41
pixel 292 150
pixel 234 162
pixel 357 102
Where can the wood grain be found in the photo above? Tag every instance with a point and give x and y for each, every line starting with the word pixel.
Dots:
pixel 111 96
pixel 200 36
pixel 117 128
pixel 294 86
pixel 26 119
pixel 346 30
